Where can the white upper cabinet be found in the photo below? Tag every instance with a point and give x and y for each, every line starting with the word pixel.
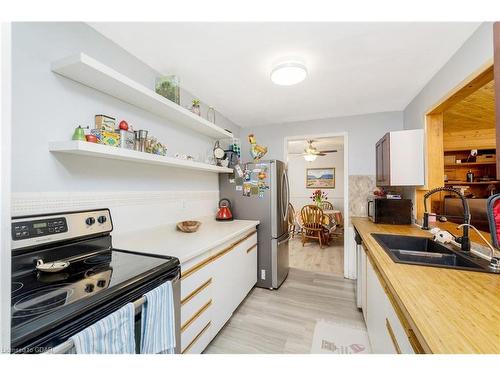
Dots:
pixel 400 158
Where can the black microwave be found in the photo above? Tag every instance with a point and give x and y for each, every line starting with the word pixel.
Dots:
pixel 389 211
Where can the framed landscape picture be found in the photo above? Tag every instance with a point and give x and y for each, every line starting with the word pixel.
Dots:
pixel 320 178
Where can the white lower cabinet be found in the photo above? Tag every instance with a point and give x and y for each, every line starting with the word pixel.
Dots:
pixel 212 287
pixel 385 329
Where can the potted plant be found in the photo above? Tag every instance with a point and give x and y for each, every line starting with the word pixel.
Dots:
pixel 318 197
pixel 195 106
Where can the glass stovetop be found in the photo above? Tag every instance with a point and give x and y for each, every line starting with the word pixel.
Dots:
pixel 36 294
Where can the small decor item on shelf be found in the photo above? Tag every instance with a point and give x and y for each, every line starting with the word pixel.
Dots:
pixel 218 152
pixel 140 138
pixel 110 139
pixel 123 125
pixel 168 87
pixel 91 138
pixel 97 134
pixel 470 176
pixel 152 146
pixel 105 123
pixel 126 138
pixel 256 151
pixel 319 197
pixel 211 114
pixel 79 134
pixel 236 146
pixel 195 107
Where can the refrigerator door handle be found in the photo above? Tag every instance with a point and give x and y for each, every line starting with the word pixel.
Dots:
pixel 284 196
pixel 287 185
pixel 284 241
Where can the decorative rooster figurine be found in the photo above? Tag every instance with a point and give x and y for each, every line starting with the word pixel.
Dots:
pixel 256 151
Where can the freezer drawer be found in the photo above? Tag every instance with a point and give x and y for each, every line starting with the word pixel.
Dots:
pixel 280 253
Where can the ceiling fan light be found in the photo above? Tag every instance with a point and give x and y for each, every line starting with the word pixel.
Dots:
pixel 310 157
pixel 288 73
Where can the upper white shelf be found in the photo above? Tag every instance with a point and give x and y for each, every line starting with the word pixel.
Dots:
pixel 90 72
pixel 109 152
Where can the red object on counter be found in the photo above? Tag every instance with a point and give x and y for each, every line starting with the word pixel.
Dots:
pixel 224 212
pixel 91 138
pixel 123 125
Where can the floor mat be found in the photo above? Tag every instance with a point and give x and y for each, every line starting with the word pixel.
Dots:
pixel 333 338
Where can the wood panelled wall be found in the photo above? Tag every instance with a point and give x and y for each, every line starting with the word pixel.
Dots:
pixel 496 45
pixel 470 123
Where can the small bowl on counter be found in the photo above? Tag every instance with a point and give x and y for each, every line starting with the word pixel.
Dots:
pixel 189 226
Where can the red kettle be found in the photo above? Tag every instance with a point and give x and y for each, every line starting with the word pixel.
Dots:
pixel 224 212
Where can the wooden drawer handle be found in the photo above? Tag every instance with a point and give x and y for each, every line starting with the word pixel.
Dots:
pixel 195 316
pixel 252 248
pixel 195 292
pixel 196 337
pixel 393 337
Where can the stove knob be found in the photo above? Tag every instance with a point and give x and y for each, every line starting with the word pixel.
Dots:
pixel 101 283
pixel 90 221
pixel 101 219
pixel 89 288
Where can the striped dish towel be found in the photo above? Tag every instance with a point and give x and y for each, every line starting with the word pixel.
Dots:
pixel 158 322
pixel 112 335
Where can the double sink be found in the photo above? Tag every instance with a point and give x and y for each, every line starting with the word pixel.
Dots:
pixel 427 252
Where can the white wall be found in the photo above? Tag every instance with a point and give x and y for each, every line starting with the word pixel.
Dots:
pixel 299 194
pixel 471 56
pixel 363 132
pixel 48 107
pixel 5 230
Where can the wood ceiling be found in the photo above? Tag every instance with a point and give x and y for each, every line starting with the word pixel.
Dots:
pixel 470 123
pixel 477 111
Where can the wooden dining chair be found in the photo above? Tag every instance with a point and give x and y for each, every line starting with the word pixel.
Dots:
pixel 326 205
pixel 291 220
pixel 312 224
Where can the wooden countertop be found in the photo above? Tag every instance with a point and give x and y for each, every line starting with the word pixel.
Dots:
pixel 450 311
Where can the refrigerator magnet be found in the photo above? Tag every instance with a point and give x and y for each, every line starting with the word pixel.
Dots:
pixel 238 170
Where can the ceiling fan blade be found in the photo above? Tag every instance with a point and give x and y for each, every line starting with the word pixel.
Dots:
pixel 328 151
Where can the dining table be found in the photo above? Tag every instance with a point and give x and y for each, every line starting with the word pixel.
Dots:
pixel 336 215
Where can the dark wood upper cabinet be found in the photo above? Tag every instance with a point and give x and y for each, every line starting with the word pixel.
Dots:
pixel 383 162
pixel 496 74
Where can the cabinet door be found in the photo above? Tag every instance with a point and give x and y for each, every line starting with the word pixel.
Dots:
pixel 363 282
pixel 376 323
pixel 383 163
pixel 234 273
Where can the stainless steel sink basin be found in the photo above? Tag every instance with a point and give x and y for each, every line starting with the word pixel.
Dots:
pixel 426 252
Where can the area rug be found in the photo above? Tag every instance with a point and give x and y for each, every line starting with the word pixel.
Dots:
pixel 334 338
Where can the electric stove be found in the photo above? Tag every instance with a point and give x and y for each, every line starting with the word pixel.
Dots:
pixel 47 308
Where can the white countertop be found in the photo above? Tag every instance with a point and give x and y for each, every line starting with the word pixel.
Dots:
pixel 167 240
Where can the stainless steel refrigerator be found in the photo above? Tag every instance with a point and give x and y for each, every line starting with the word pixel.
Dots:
pixel 261 192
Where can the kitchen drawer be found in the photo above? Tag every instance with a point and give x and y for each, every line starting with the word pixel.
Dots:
pixel 194 301
pixel 191 328
pixel 195 280
pixel 200 342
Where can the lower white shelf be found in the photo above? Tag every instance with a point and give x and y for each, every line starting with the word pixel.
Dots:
pixel 109 152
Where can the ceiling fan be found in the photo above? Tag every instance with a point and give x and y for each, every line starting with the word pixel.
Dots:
pixel 311 153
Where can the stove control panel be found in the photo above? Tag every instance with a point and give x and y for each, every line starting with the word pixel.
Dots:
pixel 40 229
pixel 37 228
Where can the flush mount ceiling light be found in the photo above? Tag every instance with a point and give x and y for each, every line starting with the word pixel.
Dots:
pixel 288 73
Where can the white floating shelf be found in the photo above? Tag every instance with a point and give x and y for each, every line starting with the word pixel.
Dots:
pixel 90 72
pixel 109 152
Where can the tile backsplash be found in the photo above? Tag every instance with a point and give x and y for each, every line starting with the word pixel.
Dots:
pixel 360 187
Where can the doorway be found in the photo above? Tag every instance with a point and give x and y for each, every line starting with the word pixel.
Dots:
pixel 318 164
pixel 461 149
